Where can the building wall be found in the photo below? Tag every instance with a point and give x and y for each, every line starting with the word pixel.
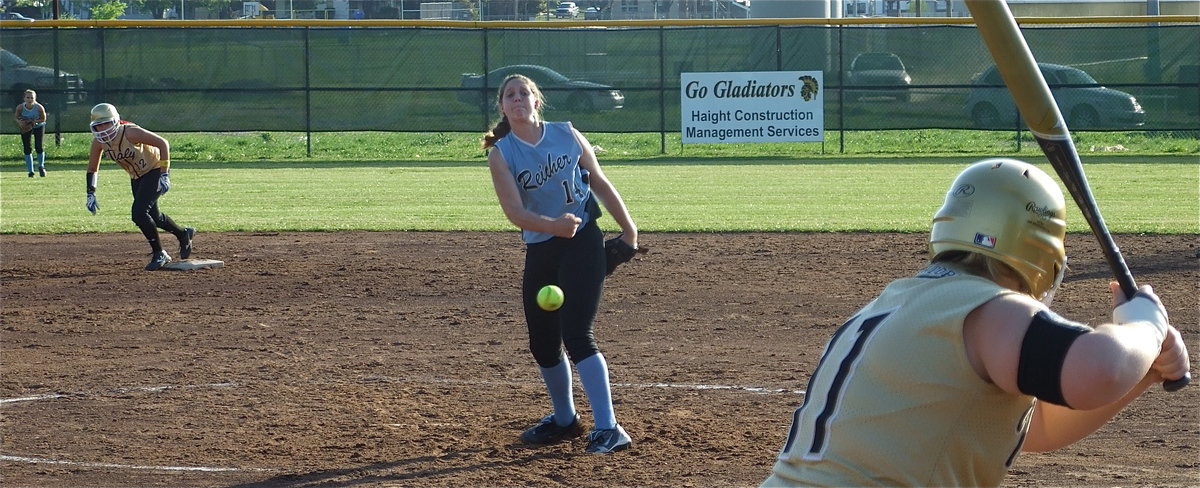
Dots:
pixel 1077 8
pixel 938 8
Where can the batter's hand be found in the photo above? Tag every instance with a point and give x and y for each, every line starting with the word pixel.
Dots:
pixel 164 183
pixel 1172 361
pixel 92 204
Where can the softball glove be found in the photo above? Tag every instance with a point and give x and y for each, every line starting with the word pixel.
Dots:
pixel 617 252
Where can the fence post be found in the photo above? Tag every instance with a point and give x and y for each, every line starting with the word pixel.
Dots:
pixel 1018 124
pixel 60 104
pixel 779 48
pixel 307 92
pixel 484 109
pixel 662 91
pixel 841 94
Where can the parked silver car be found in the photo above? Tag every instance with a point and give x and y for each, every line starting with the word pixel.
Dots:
pixel 1083 102
pixel 14 16
pixel 561 92
pixel 884 70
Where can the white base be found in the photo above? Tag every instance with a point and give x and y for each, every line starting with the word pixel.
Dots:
pixel 190 264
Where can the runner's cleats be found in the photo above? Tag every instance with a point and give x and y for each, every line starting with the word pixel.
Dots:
pixel 185 243
pixel 158 260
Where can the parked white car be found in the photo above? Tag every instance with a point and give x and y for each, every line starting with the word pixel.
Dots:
pixel 566 10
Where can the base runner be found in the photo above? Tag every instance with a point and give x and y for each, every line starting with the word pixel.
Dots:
pixel 146 156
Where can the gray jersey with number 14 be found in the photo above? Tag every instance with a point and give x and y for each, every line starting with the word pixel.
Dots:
pixel 548 174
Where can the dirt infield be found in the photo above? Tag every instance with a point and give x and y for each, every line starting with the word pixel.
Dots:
pixel 356 359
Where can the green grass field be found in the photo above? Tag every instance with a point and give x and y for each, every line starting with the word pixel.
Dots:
pixel 886 181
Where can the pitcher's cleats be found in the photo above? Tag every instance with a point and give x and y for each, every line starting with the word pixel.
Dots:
pixel 547 431
pixel 185 243
pixel 608 440
pixel 158 260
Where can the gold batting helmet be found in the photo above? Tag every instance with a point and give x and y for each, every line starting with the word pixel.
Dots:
pixel 101 113
pixel 1008 210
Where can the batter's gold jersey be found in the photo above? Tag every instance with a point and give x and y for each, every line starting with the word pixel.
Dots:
pixel 895 401
pixel 136 159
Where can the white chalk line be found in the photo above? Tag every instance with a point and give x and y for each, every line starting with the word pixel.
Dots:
pixel 389 379
pixel 37 460
pixel 131 389
pixel 48 396
pixel 685 386
pixel 122 390
pixel 751 389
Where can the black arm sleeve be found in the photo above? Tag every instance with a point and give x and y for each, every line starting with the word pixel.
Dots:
pixel 1043 350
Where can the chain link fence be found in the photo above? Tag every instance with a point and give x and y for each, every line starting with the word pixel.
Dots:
pixel 604 78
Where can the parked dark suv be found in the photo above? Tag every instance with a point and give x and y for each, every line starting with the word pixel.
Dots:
pixel 561 92
pixel 16 76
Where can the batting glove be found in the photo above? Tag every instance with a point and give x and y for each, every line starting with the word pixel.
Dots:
pixel 164 183
pixel 92 204
pixel 1143 307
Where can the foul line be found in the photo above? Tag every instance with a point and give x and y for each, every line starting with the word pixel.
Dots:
pixel 133 389
pixel 23 459
pixel 32 398
pixel 751 389
pixel 388 379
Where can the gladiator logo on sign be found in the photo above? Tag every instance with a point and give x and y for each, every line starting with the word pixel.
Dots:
pixel 810 87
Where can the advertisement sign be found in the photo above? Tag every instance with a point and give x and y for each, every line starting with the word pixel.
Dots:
pixel 752 106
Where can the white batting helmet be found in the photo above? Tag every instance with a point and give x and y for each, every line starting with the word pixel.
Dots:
pixel 101 113
pixel 1011 211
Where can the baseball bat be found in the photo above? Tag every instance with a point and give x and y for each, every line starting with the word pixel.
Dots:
pixel 1036 103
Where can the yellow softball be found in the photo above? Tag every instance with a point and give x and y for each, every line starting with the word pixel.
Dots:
pixel 550 297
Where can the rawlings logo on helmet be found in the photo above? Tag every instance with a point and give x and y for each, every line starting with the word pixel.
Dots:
pixel 1041 214
pixel 963 191
pixel 102 113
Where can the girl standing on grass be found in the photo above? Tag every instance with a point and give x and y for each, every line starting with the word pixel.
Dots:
pixel 31 119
